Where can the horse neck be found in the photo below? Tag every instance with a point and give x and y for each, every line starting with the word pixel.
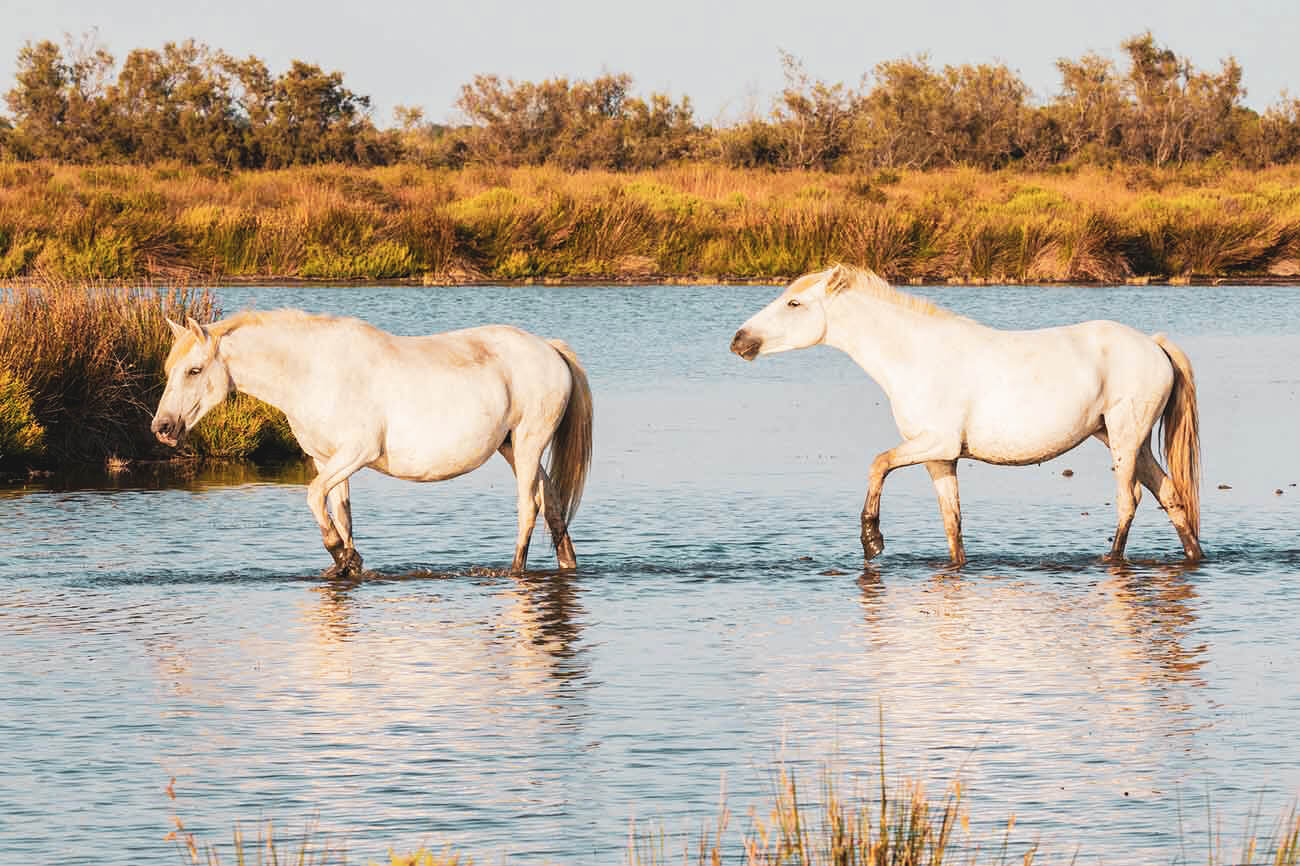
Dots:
pixel 267 362
pixel 886 339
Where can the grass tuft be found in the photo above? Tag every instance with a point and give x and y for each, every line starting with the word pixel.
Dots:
pixel 81 372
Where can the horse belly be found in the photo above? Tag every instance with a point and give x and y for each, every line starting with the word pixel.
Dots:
pixel 442 433
pixel 1031 425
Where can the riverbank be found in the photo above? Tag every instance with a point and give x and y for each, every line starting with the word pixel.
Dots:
pixel 696 223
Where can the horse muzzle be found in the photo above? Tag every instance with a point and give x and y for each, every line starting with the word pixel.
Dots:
pixel 746 345
pixel 168 430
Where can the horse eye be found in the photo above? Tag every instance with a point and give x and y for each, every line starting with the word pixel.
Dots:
pixel 794 302
pixel 194 371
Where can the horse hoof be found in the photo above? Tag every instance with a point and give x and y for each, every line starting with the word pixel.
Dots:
pixel 345 566
pixel 872 543
pixel 564 554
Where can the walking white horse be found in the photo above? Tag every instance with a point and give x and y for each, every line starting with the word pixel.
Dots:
pixel 419 408
pixel 961 389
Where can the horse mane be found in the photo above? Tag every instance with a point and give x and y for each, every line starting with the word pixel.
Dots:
pixel 847 278
pixel 221 327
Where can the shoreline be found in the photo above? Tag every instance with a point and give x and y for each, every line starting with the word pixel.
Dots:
pixel 211 282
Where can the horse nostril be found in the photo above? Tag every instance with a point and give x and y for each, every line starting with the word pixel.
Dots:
pixel 167 430
pixel 745 345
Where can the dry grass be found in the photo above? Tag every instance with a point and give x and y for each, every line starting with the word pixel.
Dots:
pixel 899 828
pixel 903 828
pixel 689 221
pixel 81 371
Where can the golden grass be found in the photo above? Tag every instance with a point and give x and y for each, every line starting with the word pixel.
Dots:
pixel 81 371
pixel 683 222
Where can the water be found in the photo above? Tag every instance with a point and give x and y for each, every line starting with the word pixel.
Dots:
pixel 155 628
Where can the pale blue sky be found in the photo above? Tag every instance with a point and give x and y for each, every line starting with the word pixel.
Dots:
pixel 724 55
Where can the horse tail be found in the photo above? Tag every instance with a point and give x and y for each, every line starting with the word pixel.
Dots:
pixel 571 444
pixel 1182 437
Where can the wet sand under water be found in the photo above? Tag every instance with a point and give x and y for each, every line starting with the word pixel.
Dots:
pixel 720 620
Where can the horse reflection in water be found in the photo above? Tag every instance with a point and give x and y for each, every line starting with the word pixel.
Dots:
pixel 541 624
pixel 533 637
pixel 420 408
pixel 1148 611
pixel 961 389
pixel 1153 605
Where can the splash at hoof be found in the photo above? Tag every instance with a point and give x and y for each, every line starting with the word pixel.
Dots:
pixel 872 541
pixel 346 565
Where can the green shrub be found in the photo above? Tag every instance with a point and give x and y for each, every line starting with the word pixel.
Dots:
pixel 244 428
pixel 22 438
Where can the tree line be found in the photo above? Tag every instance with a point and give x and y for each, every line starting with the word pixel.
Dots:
pixel 190 103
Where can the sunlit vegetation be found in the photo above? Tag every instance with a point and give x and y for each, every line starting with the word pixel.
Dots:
pixel 81 370
pixel 694 221
pixel 186 162
pixel 194 104
pixel 902 826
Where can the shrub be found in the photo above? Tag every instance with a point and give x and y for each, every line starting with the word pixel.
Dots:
pixel 91 361
pixel 22 438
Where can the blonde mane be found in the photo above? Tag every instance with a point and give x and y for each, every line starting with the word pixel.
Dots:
pixel 219 328
pixel 847 278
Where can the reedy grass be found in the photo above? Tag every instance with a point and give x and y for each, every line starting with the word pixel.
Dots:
pixel 81 371
pixel 902 827
pixel 683 222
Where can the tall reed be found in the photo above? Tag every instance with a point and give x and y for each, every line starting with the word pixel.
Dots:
pixel 81 371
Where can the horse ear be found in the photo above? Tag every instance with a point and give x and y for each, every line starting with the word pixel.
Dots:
pixel 177 330
pixel 837 279
pixel 200 333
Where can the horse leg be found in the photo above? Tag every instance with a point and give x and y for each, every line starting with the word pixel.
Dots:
pixel 1125 502
pixel 331 483
pixel 1137 483
pixel 340 507
pixel 944 475
pixel 1124 434
pixel 525 458
pixel 1162 488
pixel 564 552
pixel 921 449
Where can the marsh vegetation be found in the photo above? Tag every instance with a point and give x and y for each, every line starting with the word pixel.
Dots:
pixel 698 222
pixel 81 370
pixel 188 161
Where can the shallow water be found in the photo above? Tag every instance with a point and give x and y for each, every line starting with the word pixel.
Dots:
pixel 720 621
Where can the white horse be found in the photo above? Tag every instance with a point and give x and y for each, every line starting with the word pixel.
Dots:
pixel 961 389
pixel 419 408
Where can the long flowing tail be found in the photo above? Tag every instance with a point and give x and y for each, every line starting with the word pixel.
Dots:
pixel 1182 436
pixel 571 445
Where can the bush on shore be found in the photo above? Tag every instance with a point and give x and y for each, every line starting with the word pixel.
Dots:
pixel 81 372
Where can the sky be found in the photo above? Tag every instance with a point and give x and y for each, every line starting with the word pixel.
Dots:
pixel 724 55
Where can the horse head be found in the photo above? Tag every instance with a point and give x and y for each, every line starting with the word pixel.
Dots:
pixel 197 380
pixel 795 320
